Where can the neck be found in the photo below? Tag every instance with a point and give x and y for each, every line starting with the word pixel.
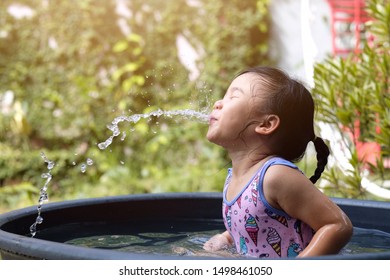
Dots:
pixel 248 155
pixel 244 162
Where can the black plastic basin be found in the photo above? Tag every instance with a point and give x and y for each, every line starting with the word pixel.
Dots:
pixel 185 211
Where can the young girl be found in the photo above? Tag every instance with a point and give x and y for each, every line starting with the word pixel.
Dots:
pixel 270 209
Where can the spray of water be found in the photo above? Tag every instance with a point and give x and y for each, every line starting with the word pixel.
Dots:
pixel 43 195
pixel 187 113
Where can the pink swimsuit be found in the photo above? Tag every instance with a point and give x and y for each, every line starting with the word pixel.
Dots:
pixel 258 229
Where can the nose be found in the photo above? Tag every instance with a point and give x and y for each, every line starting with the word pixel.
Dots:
pixel 218 105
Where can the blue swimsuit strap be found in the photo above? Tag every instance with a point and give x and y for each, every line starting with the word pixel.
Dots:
pixel 264 168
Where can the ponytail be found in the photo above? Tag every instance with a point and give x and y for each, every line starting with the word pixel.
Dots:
pixel 322 158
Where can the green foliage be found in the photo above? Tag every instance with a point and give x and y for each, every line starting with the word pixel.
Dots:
pixel 352 94
pixel 71 69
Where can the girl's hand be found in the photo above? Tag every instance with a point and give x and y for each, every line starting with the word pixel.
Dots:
pixel 218 242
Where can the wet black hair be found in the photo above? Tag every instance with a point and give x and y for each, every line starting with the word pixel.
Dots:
pixel 292 102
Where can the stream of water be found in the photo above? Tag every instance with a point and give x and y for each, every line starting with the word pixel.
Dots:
pixel 43 195
pixel 114 128
pixel 187 114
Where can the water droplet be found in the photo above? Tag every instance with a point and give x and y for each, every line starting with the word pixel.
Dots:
pixel 116 132
pixel 33 229
pixel 83 168
pixel 50 164
pixel 43 156
pixel 136 118
pixel 39 220
pixel 89 161
pixel 110 127
pixel 43 197
pixel 102 146
pixel 74 163
pixel 122 162
pixel 106 143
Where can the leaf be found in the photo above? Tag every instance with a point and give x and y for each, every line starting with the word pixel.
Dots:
pixel 130 67
pixel 134 38
pixel 120 46
pixel 117 74
pixel 127 84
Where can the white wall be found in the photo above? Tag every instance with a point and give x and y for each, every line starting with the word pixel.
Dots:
pixel 300 34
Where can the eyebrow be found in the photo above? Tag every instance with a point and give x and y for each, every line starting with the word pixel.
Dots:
pixel 239 89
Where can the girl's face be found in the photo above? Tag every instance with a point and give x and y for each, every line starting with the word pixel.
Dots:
pixel 231 118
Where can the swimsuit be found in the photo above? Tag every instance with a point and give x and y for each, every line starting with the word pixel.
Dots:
pixel 258 229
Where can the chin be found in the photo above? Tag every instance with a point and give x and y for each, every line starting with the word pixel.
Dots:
pixel 210 138
pixel 215 141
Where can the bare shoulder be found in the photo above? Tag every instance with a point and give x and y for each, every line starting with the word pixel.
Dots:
pixel 283 183
pixel 279 176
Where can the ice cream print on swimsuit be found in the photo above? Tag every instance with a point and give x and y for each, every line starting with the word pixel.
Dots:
pixel 258 230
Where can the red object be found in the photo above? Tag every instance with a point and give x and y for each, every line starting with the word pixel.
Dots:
pixel 347 25
pixel 367 152
pixel 348 18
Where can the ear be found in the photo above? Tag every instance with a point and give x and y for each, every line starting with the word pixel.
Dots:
pixel 269 124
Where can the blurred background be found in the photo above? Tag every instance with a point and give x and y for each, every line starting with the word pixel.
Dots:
pixel 68 68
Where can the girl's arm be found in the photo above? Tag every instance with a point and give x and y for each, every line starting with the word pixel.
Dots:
pixel 288 189
pixel 218 242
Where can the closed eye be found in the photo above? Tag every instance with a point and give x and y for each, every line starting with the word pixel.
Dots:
pixel 236 92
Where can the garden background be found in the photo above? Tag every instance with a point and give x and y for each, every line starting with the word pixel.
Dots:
pixel 68 68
